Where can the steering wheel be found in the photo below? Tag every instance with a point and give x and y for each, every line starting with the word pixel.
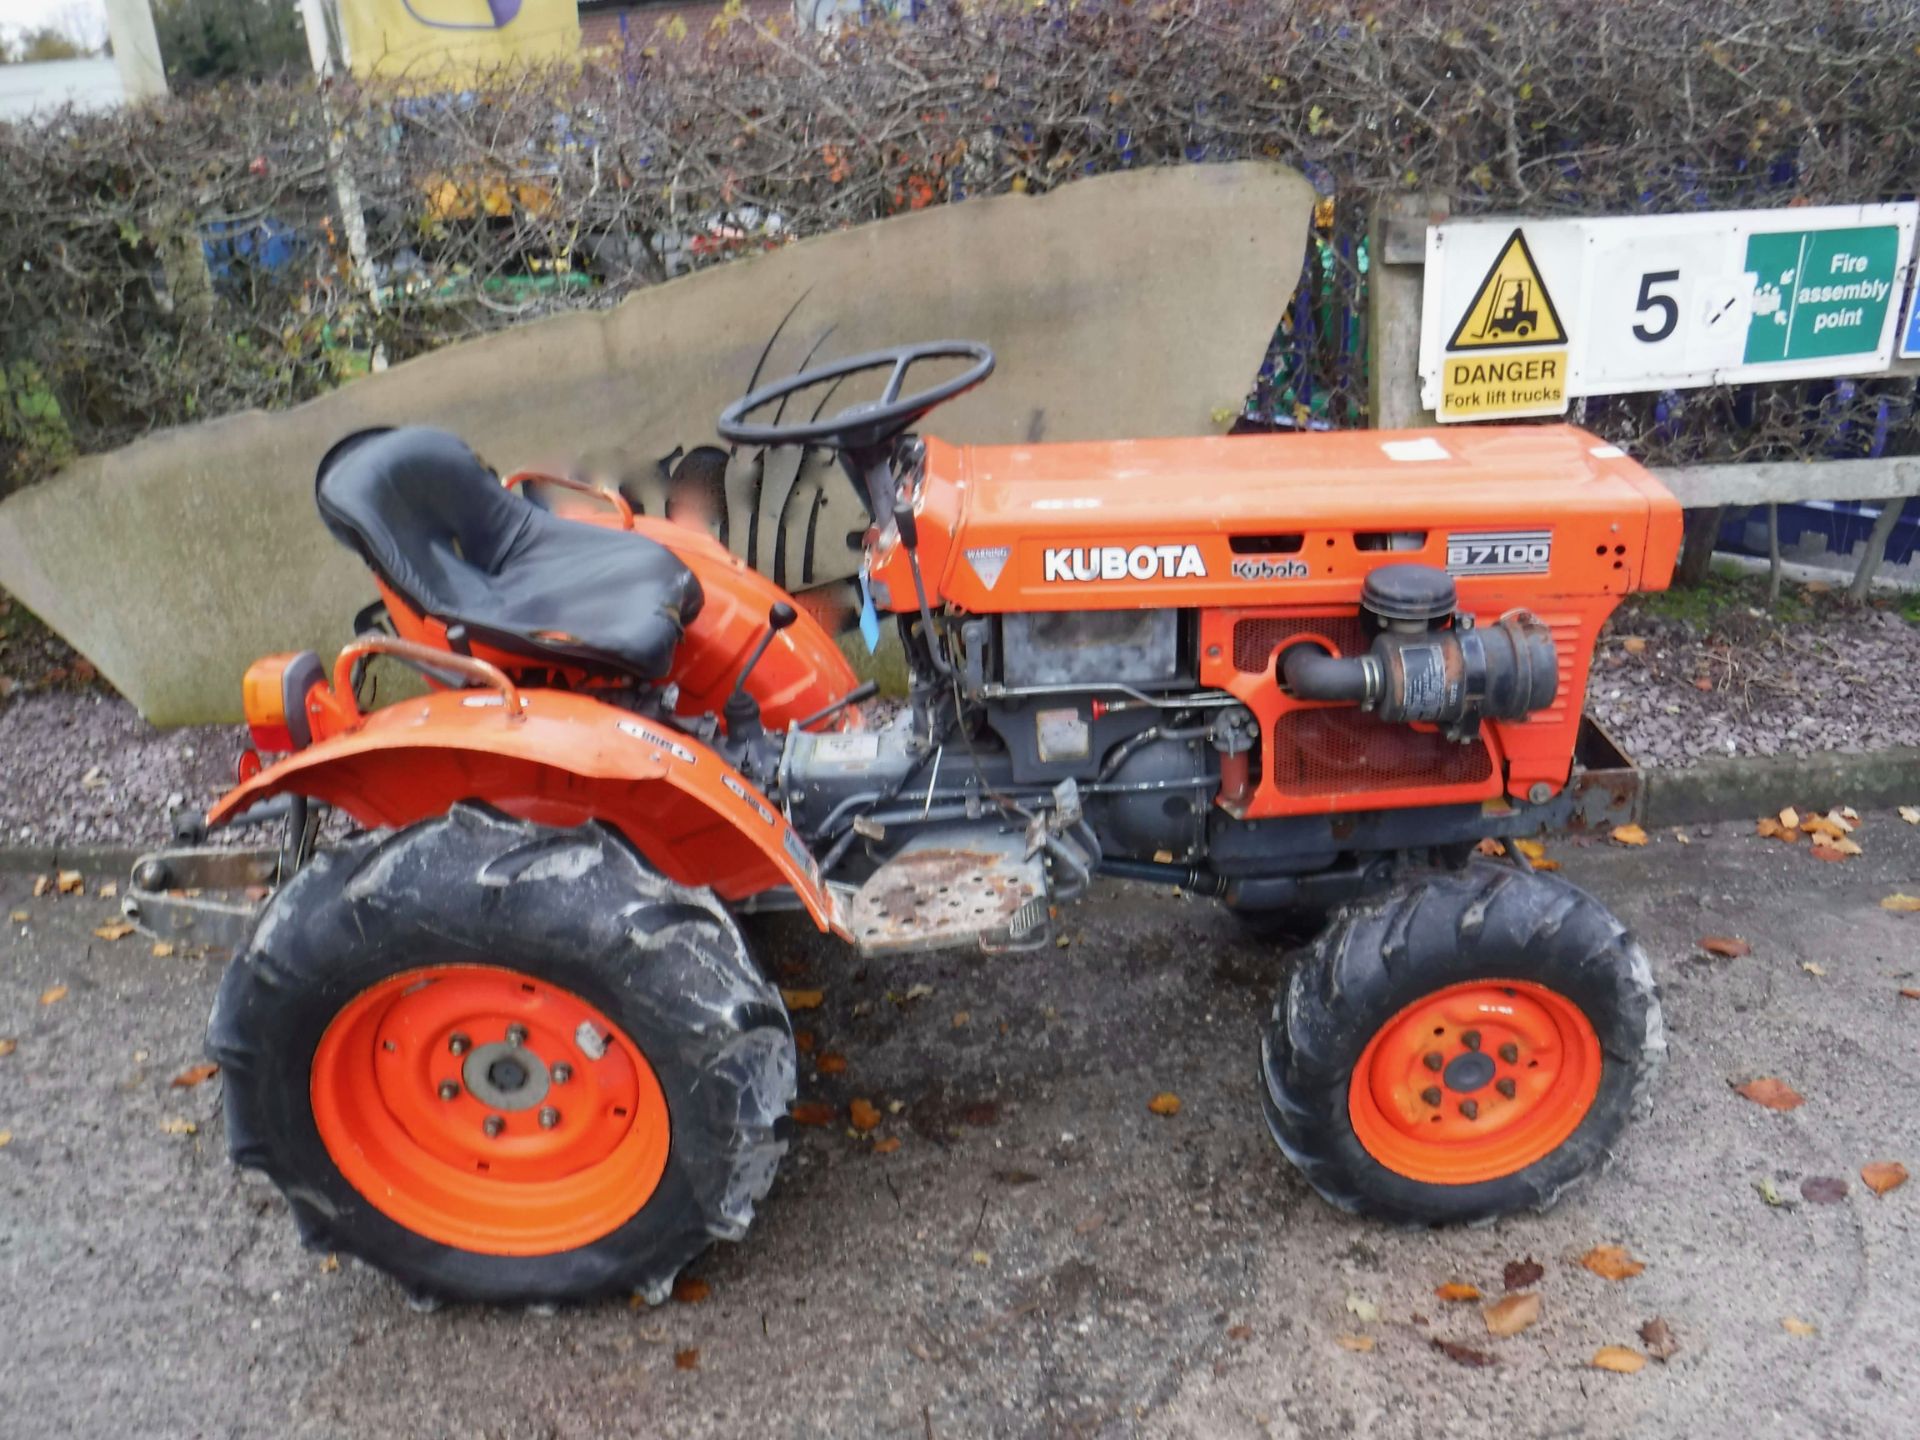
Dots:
pixel 869 424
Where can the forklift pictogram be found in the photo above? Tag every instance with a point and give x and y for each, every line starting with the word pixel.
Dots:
pixel 1517 317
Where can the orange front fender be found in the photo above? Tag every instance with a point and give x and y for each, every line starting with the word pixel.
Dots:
pixel 565 760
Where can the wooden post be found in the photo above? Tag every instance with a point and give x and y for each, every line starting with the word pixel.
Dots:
pixel 1876 550
pixel 1396 273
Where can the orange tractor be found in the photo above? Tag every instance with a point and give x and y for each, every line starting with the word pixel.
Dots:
pixel 506 1040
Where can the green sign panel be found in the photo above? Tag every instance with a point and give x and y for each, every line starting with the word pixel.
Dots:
pixel 1821 292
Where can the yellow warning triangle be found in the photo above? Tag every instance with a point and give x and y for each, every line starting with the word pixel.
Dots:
pixel 1512 307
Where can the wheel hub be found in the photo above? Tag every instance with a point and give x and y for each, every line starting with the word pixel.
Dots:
pixel 1467 1073
pixel 506 1076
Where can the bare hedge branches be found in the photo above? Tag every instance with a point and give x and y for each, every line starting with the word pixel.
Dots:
pixel 184 260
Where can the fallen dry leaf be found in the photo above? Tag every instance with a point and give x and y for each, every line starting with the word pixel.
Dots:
pixel 802 999
pixel 1611 1262
pixel 1619 1359
pixel 330 1265
pixel 1165 1103
pixel 108 890
pixel 1769 1191
pixel 1910 994
pixel 1536 854
pixel 71 882
pixel 1490 847
pixel 6 1138
pixel 691 1290
pixel 176 1126
pixel 1823 1189
pixel 41 885
pixel 1628 835
pixel 886 1146
pixel 962 1019
pixel 1462 1354
pixel 194 1075
pixel 53 995
pixel 1359 1344
pixel 1657 1336
pixel 1730 947
pixel 863 1115
pixel 1364 1310
pixel 1880 1177
pixel 1790 818
pixel 1840 846
pixel 811 1112
pixel 118 930
pixel 1240 1333
pixel 1634 644
pixel 163 949
pixel 1910 814
pixel 803 1041
pixel 20 917
pixel 686 1359
pixel 1813 967
pixel 831 1064
pixel 1520 1274
pixel 1513 1314
pixel 1455 1290
pixel 1794 1325
pixel 1902 904
pixel 1772 1093
pixel 1681 836
pixel 7 1046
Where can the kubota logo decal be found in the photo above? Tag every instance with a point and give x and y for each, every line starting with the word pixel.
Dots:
pixel 1122 562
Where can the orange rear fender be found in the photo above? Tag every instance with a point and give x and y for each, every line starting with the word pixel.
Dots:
pixel 567 760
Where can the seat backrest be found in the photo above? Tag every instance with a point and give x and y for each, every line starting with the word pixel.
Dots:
pixel 421 509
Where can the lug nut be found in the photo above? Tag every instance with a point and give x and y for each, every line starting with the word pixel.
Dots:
pixel 1433 1060
pixel 1470 1109
pixel 549 1117
pixel 1471 1039
pixel 516 1034
pixel 1431 1095
pixel 562 1072
pixel 457 1043
pixel 1505 1087
pixel 493 1125
pixel 1510 1053
pixel 449 1090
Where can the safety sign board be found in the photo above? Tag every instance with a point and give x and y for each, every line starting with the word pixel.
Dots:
pixel 1518 317
pixel 1910 340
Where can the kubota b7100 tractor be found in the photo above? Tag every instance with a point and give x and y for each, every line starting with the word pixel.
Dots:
pixel 506 1040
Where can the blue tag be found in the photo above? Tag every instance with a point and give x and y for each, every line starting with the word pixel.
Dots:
pixel 869 619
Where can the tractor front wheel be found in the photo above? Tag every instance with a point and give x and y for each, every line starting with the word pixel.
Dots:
pixel 504 1062
pixel 1462 1048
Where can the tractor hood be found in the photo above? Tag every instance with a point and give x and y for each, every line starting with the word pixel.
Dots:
pixel 1265 520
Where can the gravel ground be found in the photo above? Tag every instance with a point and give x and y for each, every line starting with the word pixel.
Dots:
pixel 82 768
pixel 1041 1256
pixel 1740 682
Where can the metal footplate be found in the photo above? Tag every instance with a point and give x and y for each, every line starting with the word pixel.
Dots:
pixel 954 886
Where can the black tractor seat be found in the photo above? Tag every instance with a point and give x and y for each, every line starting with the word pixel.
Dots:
pixel 443 533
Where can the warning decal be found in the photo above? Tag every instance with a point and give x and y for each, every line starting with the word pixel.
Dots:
pixel 1512 307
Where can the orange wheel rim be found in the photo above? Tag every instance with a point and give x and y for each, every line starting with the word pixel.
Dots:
pixel 489 1111
pixel 1475 1081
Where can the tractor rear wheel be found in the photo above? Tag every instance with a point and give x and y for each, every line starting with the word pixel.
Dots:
pixel 1464 1047
pixel 504 1062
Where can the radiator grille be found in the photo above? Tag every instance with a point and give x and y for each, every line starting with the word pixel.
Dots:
pixel 1254 641
pixel 1340 751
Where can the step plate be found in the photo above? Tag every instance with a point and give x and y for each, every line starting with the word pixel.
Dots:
pixel 953 887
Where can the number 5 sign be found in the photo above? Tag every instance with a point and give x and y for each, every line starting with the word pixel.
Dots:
pixel 1656 303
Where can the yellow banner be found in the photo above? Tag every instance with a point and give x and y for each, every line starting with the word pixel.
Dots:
pixel 454 42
